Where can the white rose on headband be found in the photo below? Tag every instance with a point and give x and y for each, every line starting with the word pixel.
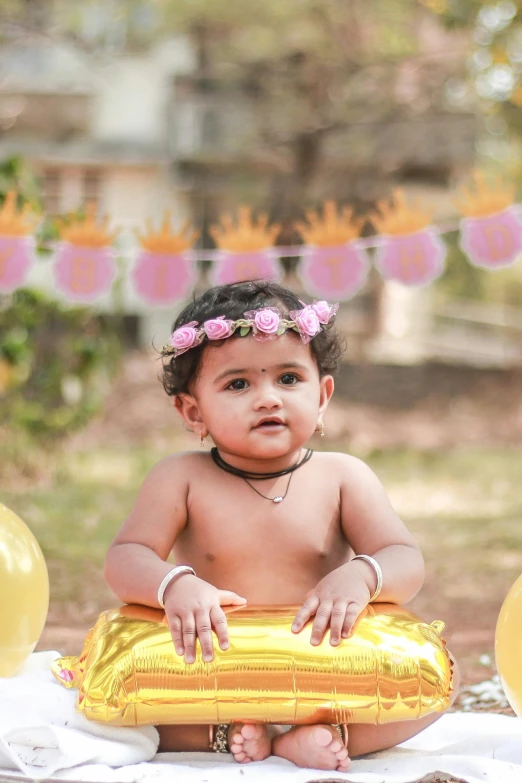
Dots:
pixel 218 328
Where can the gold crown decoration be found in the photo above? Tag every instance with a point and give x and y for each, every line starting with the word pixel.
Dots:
pixel 165 241
pixel 333 229
pixel 397 217
pixel 247 236
pixel 85 231
pixel 485 197
pixel 15 222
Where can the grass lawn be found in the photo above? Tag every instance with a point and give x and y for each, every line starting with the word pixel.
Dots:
pixel 464 507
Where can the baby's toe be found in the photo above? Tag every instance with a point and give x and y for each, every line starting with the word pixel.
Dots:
pixel 252 731
pixel 322 736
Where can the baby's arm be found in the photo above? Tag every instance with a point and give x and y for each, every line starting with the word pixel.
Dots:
pixel 136 562
pixel 372 527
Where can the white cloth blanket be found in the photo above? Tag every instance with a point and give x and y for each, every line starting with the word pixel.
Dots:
pixel 42 737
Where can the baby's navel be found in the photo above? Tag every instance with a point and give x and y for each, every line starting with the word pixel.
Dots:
pixel 210 557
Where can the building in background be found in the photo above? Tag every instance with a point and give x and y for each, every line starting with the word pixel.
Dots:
pixel 142 131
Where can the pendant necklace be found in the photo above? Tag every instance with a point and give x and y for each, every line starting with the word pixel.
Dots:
pixel 246 475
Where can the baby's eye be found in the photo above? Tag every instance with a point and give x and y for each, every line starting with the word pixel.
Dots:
pixel 238 385
pixel 289 379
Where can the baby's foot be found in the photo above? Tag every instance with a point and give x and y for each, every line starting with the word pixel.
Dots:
pixel 249 742
pixel 314 747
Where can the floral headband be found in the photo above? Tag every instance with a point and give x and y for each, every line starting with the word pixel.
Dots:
pixel 266 324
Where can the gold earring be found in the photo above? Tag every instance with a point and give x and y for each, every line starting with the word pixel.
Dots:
pixel 201 439
pixel 320 428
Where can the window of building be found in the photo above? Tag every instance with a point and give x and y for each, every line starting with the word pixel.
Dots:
pixel 92 188
pixel 52 191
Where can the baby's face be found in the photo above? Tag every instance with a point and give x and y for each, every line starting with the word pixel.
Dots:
pixel 260 400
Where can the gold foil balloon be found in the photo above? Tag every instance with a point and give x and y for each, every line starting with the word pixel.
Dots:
pixel 24 592
pixel 508 646
pixel 394 667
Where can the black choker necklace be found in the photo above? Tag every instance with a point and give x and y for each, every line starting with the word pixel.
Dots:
pixel 246 474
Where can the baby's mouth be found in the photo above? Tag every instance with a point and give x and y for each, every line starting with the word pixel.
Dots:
pixel 268 424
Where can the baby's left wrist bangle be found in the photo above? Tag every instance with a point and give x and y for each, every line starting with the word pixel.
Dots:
pixel 378 574
pixel 169 577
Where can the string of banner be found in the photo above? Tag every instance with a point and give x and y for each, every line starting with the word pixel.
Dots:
pixel 334 259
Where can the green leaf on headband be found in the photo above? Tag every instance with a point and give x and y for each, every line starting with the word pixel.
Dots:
pixel 281 330
pixel 244 331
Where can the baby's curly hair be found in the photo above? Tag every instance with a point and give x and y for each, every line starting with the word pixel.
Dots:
pixel 233 300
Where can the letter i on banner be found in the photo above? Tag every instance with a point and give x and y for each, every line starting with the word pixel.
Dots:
pixel 164 272
pixel 16 246
pixel 409 249
pixel 332 264
pixel 491 231
pixel 246 251
pixel 84 266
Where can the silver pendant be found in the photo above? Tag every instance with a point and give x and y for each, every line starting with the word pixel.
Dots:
pixel 277 499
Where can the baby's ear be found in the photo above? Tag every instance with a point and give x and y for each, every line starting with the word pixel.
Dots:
pixel 187 407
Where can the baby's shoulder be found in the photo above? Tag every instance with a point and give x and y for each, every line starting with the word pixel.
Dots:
pixel 177 468
pixel 346 467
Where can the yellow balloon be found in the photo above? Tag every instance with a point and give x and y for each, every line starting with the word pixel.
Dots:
pixel 508 646
pixel 24 592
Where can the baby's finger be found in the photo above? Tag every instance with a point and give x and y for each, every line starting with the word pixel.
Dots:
pixel 177 636
pixel 352 613
pixel 321 622
pixel 336 621
pixel 219 622
pixel 189 637
pixel 305 612
pixel 204 632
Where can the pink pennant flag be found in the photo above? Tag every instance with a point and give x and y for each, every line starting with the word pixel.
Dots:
pixel 413 259
pixel 16 258
pixel 232 267
pixel 163 278
pixel 84 273
pixel 334 271
pixel 492 241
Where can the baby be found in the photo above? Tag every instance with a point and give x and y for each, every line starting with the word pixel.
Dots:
pixel 261 519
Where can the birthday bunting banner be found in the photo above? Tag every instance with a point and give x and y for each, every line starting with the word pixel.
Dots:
pixel 334 260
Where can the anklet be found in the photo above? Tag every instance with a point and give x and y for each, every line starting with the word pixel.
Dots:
pixel 220 738
pixel 342 728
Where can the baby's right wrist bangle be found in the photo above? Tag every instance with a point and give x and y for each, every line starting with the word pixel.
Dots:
pixel 167 579
pixel 378 573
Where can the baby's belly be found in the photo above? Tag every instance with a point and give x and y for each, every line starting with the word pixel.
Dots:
pixel 282 579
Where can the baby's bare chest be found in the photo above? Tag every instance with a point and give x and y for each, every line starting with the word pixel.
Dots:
pixel 232 524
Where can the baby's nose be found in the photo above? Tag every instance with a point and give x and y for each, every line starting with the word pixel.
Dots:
pixel 268 398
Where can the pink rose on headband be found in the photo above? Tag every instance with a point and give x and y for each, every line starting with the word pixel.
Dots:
pixel 324 311
pixel 307 322
pixel 185 337
pixel 218 328
pixel 266 323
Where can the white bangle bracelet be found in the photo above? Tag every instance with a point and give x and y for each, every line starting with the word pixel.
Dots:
pixel 167 579
pixel 378 573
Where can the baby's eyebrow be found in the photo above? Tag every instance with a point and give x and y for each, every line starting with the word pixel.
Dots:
pixel 238 371
pixel 243 370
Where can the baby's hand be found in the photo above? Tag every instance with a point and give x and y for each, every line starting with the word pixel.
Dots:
pixel 193 608
pixel 337 602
